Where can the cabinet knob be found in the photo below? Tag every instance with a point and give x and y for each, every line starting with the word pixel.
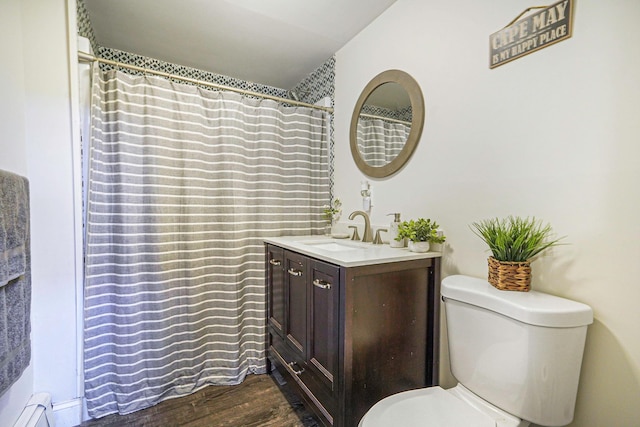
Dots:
pixel 294 272
pixel 323 284
pixel 298 372
pixel 274 261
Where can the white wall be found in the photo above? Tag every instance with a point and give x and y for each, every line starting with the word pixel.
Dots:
pixel 36 142
pixel 50 158
pixel 552 135
pixel 12 102
pixel 13 156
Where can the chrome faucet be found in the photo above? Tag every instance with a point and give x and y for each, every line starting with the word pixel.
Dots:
pixel 366 235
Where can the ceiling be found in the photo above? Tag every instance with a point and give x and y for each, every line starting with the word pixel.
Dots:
pixel 273 42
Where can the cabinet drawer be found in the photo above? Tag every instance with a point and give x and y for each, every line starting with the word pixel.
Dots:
pixel 299 372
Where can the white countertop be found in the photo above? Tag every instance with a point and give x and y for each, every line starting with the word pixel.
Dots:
pixel 345 252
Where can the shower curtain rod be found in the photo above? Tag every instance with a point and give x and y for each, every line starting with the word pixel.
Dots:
pixel 85 57
pixel 388 119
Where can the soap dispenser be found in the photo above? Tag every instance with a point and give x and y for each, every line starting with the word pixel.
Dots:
pixel 393 232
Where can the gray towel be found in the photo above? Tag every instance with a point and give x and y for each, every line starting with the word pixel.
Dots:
pixel 14 223
pixel 15 279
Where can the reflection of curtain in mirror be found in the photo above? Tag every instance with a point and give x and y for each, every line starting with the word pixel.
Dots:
pixel 380 141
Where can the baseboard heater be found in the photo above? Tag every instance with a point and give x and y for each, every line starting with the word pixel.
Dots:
pixel 38 412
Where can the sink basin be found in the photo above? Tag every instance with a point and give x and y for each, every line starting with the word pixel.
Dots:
pixel 334 246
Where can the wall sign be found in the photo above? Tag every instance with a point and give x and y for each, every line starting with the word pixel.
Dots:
pixel 520 37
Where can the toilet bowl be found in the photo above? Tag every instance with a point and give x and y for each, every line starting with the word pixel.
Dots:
pixel 516 356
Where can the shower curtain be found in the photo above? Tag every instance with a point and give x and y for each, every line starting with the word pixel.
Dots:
pixel 379 140
pixel 184 184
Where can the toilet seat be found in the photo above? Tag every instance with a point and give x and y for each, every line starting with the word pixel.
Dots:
pixel 425 407
pixel 431 407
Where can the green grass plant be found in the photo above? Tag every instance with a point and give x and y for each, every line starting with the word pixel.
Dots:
pixel 514 238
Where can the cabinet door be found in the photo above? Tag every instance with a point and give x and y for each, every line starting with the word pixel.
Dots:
pixel 323 331
pixel 296 303
pixel 276 290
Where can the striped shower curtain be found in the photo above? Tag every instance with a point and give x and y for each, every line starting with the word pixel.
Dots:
pixel 183 185
pixel 380 141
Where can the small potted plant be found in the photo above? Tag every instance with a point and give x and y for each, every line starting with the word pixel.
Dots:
pixel 420 233
pixel 331 213
pixel 514 242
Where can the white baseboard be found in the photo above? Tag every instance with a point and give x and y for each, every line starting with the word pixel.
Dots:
pixel 70 413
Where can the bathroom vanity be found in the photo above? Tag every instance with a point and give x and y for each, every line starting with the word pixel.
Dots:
pixel 350 323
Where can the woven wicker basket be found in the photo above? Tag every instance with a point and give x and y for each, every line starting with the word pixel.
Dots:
pixel 510 276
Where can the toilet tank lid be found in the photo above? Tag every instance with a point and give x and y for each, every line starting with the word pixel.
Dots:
pixel 534 308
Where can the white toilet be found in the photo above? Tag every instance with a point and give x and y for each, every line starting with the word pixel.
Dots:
pixel 516 355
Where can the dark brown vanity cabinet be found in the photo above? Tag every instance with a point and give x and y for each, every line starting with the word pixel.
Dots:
pixel 346 337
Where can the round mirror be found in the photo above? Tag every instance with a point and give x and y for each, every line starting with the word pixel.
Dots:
pixel 387 123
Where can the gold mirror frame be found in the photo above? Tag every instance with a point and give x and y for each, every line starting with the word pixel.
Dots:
pixel 417 122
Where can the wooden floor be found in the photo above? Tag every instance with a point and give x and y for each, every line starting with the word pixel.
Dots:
pixel 258 401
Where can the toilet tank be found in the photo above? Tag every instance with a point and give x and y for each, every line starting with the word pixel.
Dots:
pixel 520 351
